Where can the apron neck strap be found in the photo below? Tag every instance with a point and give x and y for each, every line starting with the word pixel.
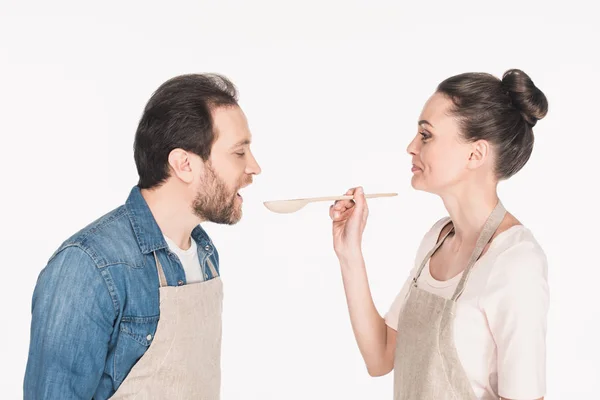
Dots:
pixel 428 256
pixel 161 274
pixel 213 270
pixel 489 228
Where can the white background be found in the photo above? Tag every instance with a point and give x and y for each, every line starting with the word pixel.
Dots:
pixel 332 91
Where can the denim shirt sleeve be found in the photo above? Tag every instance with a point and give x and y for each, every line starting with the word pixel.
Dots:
pixel 72 322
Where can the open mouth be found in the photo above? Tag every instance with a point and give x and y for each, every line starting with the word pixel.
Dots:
pixel 240 188
pixel 239 196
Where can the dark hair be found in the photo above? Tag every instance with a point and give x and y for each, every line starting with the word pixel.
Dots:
pixel 502 112
pixel 178 115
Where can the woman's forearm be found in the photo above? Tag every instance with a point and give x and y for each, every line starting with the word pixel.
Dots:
pixel 369 327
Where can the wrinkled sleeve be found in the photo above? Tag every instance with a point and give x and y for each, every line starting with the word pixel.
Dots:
pixel 71 324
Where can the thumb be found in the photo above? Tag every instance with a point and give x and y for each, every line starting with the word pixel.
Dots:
pixel 359 198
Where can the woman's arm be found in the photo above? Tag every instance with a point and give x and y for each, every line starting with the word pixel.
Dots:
pixel 376 340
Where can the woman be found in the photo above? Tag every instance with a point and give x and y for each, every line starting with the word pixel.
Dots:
pixel 470 320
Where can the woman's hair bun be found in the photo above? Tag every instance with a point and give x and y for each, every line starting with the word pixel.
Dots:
pixel 525 96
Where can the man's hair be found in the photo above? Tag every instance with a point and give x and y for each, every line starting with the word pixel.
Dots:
pixel 178 115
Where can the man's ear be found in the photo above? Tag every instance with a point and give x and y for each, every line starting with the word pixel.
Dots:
pixel 183 166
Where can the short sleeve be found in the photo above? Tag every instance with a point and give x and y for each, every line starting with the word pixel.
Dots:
pixel 516 306
pixel 428 241
pixel 391 317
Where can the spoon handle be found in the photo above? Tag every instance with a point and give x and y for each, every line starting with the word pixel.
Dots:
pixel 350 197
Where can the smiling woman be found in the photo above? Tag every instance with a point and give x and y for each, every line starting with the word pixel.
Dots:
pixel 470 320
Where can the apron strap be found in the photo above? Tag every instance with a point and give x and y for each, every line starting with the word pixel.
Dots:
pixel 161 274
pixel 213 270
pixel 489 228
pixel 428 256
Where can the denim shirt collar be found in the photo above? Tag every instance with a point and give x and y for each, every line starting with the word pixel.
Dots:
pixel 147 232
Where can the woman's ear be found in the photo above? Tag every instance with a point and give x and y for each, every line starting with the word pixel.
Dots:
pixel 480 151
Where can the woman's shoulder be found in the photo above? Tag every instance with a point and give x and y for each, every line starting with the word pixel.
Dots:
pixel 516 253
pixel 431 236
pixel 517 274
pixel 440 226
pixel 518 240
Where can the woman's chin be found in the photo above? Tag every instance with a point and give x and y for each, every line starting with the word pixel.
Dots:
pixel 421 186
pixel 417 183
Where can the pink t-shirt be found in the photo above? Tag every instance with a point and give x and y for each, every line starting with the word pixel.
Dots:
pixel 501 317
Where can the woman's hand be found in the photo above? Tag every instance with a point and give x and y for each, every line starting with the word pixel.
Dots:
pixel 349 221
pixel 376 341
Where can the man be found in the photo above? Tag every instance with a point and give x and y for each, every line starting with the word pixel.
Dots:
pixel 131 304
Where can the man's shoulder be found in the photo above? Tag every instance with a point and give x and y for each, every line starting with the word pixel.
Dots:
pixel 104 238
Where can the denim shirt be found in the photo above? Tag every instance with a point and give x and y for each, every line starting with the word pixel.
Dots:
pixel 95 306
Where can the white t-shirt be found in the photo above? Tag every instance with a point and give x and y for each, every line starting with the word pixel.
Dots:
pixel 501 317
pixel 189 260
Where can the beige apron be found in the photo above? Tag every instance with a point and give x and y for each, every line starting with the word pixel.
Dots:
pixel 184 359
pixel 426 364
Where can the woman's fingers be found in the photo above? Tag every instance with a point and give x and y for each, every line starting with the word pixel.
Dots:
pixel 342 205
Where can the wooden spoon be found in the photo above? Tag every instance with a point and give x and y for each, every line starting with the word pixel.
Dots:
pixel 290 206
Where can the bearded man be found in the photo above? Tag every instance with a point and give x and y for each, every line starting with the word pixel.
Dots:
pixel 130 306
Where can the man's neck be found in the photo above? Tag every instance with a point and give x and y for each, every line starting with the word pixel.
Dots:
pixel 172 213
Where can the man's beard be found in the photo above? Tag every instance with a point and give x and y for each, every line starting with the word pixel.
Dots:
pixel 214 202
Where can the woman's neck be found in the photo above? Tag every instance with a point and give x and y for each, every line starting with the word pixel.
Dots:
pixel 469 208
